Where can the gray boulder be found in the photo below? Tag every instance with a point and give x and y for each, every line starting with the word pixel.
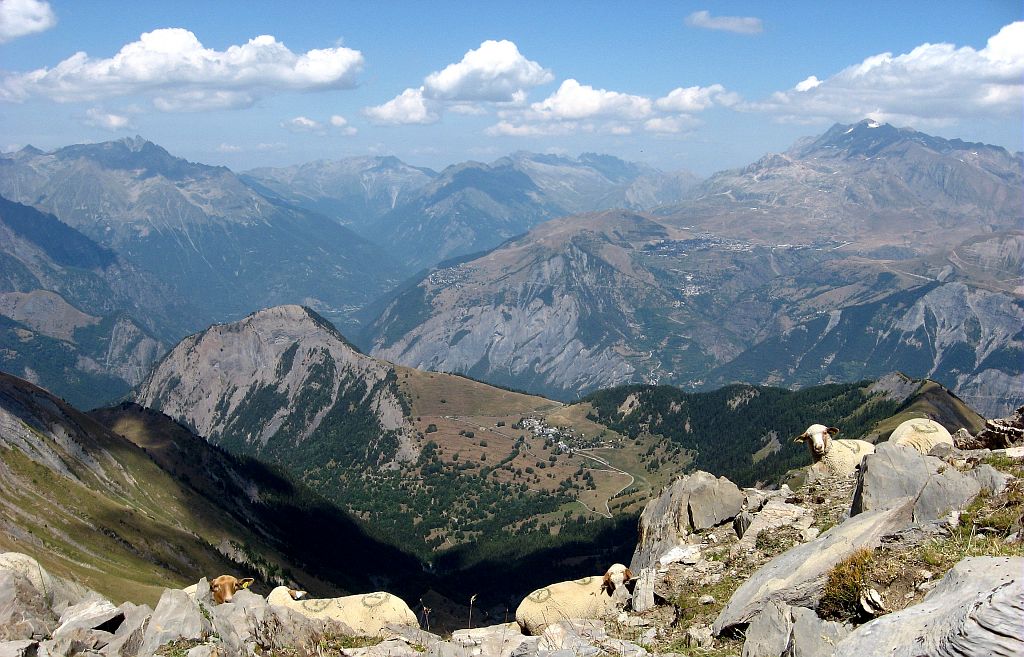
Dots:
pixel 643 590
pixel 781 630
pixel 496 640
pixel 989 478
pixel 977 609
pixel 177 616
pixel 895 472
pixel 797 576
pixel 812 636
pixel 24 613
pixel 691 503
pixel 585 638
pixel 20 648
pixel 768 632
pixel 128 637
pixel 95 614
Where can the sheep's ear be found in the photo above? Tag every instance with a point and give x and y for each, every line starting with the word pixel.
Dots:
pixel 296 595
pixel 799 439
pixel 629 574
pixel 608 585
pixel 832 431
pixel 246 582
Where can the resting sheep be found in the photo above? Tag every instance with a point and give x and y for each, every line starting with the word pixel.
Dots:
pixel 223 588
pixel 591 597
pixel 833 457
pixel 922 434
pixel 367 614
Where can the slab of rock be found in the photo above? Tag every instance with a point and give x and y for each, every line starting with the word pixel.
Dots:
pixel 643 590
pixel 977 609
pixel 496 640
pixel 24 613
pixel 95 614
pixel 20 648
pixel 585 638
pixel 895 472
pixel 812 636
pixel 798 575
pixel 989 478
pixel 177 616
pixel 694 502
pixel 776 513
pixel 768 632
pixel 128 637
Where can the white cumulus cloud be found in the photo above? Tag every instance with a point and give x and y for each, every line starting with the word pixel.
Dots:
pixel 106 120
pixel 302 124
pixel 670 124
pixel 573 100
pixel 736 24
pixel 409 107
pixel 496 72
pixel 933 83
pixel 21 17
pixel 172 66
pixel 696 99
pixel 340 123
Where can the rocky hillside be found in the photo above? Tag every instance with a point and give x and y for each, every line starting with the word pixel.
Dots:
pixel 881 188
pixel 917 553
pixel 74 316
pixel 588 302
pixel 199 228
pixel 284 385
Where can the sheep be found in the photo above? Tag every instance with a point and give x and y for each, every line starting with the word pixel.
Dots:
pixel 367 614
pixel 922 434
pixel 223 588
pixel 833 457
pixel 598 597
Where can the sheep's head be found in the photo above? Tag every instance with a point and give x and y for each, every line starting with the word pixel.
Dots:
pixel 818 438
pixel 225 587
pixel 616 576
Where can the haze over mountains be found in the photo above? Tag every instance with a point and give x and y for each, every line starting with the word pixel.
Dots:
pixel 866 249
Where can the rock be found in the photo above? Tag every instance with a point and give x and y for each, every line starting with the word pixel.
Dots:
pixel 699 636
pixel 205 650
pixel 809 534
pixel 496 640
pixel 797 576
pixel 128 637
pixel 694 502
pixel 812 636
pixel 706 600
pixel 586 638
pixel 977 609
pixel 177 616
pixel 24 613
pixel 768 632
pixel 95 614
pixel 411 635
pixel 643 590
pixel 390 648
pixel 962 439
pixel 688 555
pixel 895 472
pixel 741 523
pixel 989 478
pixel 776 513
pixel 20 648
pixel 441 649
pixel 998 433
pixel 77 641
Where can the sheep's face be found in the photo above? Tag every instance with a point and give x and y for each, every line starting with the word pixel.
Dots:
pixel 616 576
pixel 225 587
pixel 818 438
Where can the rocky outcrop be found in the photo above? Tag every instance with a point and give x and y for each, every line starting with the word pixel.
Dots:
pixel 997 434
pixel 977 609
pixel 896 473
pixel 797 576
pixel 695 502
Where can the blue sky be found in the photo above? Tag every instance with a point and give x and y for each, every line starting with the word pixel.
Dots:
pixel 697 85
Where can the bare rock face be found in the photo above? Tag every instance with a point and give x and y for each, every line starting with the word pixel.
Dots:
pixel 694 502
pixel 273 377
pixel 797 576
pixel 997 434
pixel 895 472
pixel 23 610
pixel 977 609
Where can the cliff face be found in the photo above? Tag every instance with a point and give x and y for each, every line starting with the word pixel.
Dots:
pixel 279 379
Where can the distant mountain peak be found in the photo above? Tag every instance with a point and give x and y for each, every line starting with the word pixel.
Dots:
pixel 136 143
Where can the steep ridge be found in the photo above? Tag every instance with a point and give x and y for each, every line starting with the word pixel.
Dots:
pixel 93 506
pixel 199 228
pixel 356 190
pixel 284 385
pixel 870 184
pixel 728 293
pixel 76 317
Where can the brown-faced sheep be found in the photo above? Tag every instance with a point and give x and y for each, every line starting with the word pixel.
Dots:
pixel 222 588
pixel 834 457
pixel 367 614
pixel 922 434
pixel 599 597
